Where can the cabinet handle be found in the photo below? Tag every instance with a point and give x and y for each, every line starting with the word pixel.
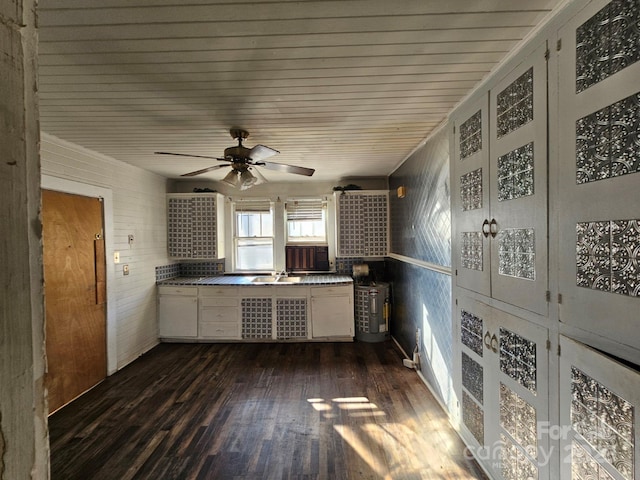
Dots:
pixel 494 343
pixel 487 340
pixel 486 228
pixel 493 228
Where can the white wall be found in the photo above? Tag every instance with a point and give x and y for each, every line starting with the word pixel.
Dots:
pixel 136 206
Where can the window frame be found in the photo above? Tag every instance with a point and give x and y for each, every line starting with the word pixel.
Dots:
pixel 248 207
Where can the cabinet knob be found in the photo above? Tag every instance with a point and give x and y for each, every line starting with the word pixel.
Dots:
pixel 493 228
pixel 487 340
pixel 494 343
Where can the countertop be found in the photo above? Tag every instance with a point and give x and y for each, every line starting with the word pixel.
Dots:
pixel 305 280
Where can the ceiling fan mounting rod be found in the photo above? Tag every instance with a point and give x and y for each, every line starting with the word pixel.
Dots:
pixel 239 134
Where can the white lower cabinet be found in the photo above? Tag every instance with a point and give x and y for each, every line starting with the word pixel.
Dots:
pixel 219 313
pixel 256 313
pixel 502 390
pixel 332 312
pixel 178 312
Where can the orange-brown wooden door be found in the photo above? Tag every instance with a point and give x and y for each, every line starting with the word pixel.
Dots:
pixel 75 295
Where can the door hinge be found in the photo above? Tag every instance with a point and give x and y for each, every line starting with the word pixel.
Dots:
pixel 454 129
pixel 547 54
pixel 456 301
pixel 456 272
pixel 559 298
pixel 548 344
pixel 559 45
pixel 547 296
pixel 558 349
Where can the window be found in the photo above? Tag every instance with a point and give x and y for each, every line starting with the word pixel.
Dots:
pixel 253 238
pixel 306 221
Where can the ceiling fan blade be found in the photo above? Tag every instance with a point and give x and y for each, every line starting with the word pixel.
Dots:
pixel 187 155
pixel 204 170
pixel 260 152
pixel 282 167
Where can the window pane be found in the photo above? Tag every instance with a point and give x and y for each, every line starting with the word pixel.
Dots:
pixel 254 254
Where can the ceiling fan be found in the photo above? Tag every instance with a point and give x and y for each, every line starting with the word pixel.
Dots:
pixel 242 161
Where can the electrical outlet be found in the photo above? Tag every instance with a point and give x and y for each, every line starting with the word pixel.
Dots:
pixel 418 337
pixel 125 269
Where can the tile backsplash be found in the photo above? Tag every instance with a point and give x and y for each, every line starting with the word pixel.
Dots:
pixel 191 269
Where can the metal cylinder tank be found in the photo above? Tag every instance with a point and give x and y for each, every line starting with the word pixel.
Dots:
pixel 373 310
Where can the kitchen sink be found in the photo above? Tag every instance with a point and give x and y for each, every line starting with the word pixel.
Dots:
pixel 275 279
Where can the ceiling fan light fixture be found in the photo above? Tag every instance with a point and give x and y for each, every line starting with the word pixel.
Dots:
pixel 247 180
pixel 232 179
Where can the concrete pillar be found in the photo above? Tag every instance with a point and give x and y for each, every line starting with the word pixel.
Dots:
pixel 23 424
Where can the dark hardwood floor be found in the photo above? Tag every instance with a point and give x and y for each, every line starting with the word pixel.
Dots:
pixel 259 411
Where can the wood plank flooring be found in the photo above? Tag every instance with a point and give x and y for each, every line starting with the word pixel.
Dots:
pixel 259 411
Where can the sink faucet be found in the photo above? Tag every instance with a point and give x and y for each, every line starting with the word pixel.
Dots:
pixel 282 273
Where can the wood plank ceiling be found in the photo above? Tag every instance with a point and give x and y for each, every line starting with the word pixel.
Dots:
pixel 348 87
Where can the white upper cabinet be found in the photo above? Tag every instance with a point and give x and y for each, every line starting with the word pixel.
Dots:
pixel 362 223
pixel 499 170
pixel 599 177
pixel 195 226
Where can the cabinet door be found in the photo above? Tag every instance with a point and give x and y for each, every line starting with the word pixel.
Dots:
pixel 204 228
pixel 470 199
pixel 518 191
pixel 504 389
pixel 332 316
pixel 178 316
pixel 179 218
pixel 599 419
pixel 291 318
pixel 350 225
pixel 375 234
pixel 257 317
pixel 599 177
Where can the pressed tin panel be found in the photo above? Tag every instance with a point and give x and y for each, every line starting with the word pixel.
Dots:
pixel 471 135
pixel 473 417
pixel 516 253
pixel 471 190
pixel 607 43
pixel 518 418
pixel 471 331
pixel 518 358
pixel 515 465
pixel 515 104
pixel 607 143
pixel 584 466
pixel 605 420
pixel 472 377
pixel 515 173
pixel 471 250
pixel 607 256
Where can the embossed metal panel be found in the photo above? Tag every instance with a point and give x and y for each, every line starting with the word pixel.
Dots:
pixel 598 173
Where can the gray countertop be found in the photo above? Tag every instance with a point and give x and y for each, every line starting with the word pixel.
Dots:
pixel 305 280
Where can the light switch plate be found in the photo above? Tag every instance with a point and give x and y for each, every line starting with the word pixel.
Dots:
pixel 116 257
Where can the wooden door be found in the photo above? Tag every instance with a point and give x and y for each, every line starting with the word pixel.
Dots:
pixel 75 295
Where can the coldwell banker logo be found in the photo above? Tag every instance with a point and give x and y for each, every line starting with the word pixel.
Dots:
pixel 504 454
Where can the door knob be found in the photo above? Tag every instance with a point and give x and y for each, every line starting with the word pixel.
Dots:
pixel 486 228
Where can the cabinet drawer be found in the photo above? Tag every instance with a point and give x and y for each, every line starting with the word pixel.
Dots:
pixel 335 290
pixel 255 291
pixel 219 330
pixel 216 290
pixel 178 290
pixel 219 314
pixel 291 292
pixel 219 302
